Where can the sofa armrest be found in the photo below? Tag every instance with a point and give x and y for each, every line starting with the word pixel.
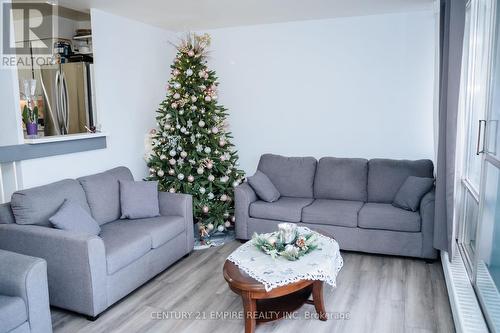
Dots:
pixel 244 195
pixel 427 217
pixel 181 205
pixel 26 277
pixel 76 264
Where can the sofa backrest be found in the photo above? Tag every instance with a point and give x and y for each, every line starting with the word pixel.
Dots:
pixel 6 215
pixel 36 205
pixel 292 176
pixel 341 179
pixel 103 193
pixel 385 176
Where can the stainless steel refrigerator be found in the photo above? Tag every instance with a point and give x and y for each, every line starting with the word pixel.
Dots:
pixel 67 93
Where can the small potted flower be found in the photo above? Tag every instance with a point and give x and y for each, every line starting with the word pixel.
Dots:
pixel 30 110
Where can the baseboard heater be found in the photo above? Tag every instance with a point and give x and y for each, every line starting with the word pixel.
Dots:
pixel 467 314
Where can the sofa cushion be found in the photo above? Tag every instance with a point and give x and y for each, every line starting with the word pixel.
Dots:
pixel 103 193
pixel 36 205
pixel 385 177
pixel 139 200
pixel 292 176
pixel 12 313
pixel 6 215
pixel 71 216
pixel 333 212
pixel 388 217
pixel 263 187
pixel 124 244
pixel 161 229
pixel 411 192
pixel 341 179
pixel 284 209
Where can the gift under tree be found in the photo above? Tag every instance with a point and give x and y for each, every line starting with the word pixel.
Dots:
pixel 191 150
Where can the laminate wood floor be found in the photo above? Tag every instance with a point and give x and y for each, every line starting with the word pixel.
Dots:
pixel 373 294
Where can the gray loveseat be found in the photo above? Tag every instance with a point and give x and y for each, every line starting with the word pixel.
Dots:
pixel 87 274
pixel 346 198
pixel 24 298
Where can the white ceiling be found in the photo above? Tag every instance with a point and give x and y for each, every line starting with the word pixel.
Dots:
pixel 185 15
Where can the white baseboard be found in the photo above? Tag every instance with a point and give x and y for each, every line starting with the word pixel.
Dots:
pixel 467 314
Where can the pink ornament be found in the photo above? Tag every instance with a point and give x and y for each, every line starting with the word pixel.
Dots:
pixel 191 53
pixel 172 161
pixel 172 190
pixel 171 172
pixel 205 209
pixel 223 197
pixel 222 143
pixel 210 165
pixel 190 178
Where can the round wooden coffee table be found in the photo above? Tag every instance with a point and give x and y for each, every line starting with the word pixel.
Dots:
pixel 260 305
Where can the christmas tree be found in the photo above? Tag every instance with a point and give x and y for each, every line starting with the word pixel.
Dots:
pixel 191 150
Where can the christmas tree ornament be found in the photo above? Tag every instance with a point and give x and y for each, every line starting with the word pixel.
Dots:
pixel 191 124
pixel 227 224
pixel 220 228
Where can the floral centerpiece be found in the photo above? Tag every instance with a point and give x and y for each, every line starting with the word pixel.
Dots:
pixel 287 242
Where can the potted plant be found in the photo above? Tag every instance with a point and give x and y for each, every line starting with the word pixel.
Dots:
pixel 30 110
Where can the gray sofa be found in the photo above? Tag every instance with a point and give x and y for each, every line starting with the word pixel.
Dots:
pixel 346 198
pixel 24 298
pixel 87 274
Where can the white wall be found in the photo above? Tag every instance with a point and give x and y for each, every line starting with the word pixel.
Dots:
pixel 132 62
pixel 353 87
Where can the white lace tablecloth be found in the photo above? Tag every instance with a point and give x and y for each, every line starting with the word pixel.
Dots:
pixel 321 264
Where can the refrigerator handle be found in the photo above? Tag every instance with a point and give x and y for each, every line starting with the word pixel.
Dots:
pixel 57 93
pixel 65 99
